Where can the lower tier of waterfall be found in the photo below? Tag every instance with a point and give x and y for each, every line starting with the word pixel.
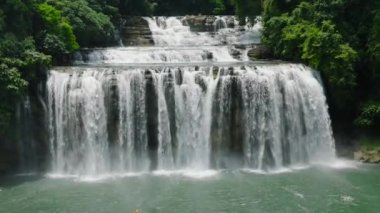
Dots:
pixel 105 120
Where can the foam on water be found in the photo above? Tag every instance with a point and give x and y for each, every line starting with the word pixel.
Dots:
pixel 204 174
pixel 346 198
pixel 196 174
pixel 97 178
pixel 268 172
pixel 338 163
pixel 294 192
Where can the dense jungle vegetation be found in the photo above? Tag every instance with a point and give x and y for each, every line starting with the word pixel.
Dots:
pixel 340 38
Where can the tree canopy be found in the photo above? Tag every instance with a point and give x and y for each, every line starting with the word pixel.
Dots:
pixel 337 38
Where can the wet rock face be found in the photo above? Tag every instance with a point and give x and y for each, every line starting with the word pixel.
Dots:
pixel 135 32
pixel 25 147
pixel 259 52
pixel 151 98
pixel 8 157
pixel 113 111
pixel 199 23
pixel 236 54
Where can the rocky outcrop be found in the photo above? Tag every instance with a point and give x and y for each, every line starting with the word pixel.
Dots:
pixel 204 23
pixel 200 23
pixel 368 156
pixel 259 52
pixel 135 32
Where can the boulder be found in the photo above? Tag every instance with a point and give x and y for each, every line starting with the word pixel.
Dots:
pixel 367 156
pixel 374 159
pixel 259 52
pixel 236 54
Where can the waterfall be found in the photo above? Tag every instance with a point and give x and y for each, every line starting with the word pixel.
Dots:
pixel 268 116
pixel 219 23
pixel 78 122
pixel 185 103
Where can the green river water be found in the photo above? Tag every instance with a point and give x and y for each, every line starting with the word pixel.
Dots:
pixel 317 189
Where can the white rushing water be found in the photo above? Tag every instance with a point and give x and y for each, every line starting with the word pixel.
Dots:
pixel 144 55
pixel 118 119
pixel 176 43
pixel 281 118
pixel 175 31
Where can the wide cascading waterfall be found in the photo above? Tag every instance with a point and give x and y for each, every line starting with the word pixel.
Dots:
pixel 266 116
pixel 185 104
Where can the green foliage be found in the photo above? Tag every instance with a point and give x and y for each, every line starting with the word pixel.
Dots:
pixel 110 8
pixel 369 116
pixel 325 49
pixel 333 36
pixel 247 8
pixel 19 63
pixel 11 83
pixel 374 43
pixel 22 55
pixel 369 143
pixel 90 27
pixel 2 21
pixel 182 7
pixel 52 45
pixel 297 37
pixel 218 7
pixel 137 7
pixel 57 25
pixel 16 16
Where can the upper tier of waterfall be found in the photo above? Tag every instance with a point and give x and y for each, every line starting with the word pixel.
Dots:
pixel 176 31
pixel 193 100
pixel 175 42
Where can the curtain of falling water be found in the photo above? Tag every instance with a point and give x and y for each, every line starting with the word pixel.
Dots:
pixel 258 117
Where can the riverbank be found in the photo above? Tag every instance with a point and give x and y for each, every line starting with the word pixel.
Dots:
pixel 368 151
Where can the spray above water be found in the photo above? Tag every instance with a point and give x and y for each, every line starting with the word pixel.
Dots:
pixel 127 118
